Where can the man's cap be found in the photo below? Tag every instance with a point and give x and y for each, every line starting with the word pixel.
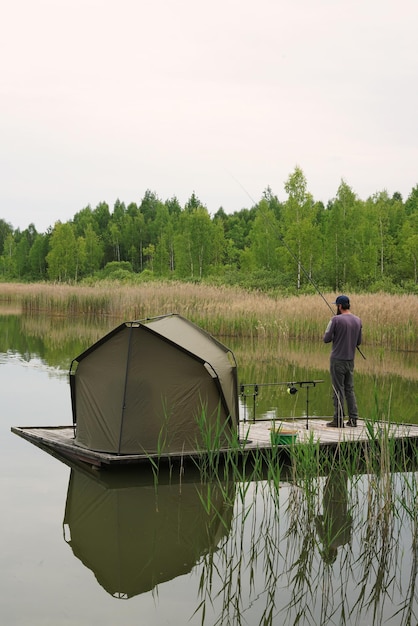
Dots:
pixel 342 300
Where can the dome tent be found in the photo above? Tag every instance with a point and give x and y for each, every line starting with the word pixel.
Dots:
pixel 154 386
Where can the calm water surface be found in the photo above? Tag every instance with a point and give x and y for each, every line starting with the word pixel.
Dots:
pixel 85 548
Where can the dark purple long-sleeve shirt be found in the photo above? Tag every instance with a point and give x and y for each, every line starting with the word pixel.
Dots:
pixel 345 333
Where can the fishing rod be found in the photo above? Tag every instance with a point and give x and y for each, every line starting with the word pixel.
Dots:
pixel 295 258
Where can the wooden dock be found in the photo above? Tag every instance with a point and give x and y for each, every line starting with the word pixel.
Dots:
pixel 259 432
pixel 252 435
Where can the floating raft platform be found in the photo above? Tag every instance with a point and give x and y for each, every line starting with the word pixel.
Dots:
pixel 252 436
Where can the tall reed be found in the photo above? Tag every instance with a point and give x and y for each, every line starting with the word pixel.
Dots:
pixel 389 320
pixel 331 518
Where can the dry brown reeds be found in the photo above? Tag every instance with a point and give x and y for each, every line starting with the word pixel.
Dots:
pixel 388 320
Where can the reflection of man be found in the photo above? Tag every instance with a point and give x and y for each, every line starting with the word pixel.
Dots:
pixel 334 525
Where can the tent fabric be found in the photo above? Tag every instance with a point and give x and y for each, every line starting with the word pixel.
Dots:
pixel 154 386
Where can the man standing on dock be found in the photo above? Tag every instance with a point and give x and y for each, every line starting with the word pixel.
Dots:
pixel 344 330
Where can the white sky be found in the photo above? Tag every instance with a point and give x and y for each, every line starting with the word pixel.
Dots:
pixel 102 100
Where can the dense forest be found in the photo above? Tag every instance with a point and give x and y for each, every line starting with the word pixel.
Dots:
pixel 350 244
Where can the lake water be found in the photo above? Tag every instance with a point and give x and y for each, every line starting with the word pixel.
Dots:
pixel 85 548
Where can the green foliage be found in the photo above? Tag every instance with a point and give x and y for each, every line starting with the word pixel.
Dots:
pixel 114 267
pixel 278 246
pixel 37 258
pixel 146 276
pixel 62 256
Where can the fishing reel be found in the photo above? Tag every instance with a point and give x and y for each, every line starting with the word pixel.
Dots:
pixel 291 390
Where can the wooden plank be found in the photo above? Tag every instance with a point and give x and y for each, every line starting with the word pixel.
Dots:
pixel 259 432
pixel 252 435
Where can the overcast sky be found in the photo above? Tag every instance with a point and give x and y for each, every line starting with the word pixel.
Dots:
pixel 103 100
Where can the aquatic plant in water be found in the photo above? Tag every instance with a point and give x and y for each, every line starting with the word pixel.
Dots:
pixel 328 538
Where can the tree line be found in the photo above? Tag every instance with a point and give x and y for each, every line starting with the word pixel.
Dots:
pixel 349 244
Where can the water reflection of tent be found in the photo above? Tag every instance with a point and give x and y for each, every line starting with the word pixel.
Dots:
pixel 134 535
pixel 142 387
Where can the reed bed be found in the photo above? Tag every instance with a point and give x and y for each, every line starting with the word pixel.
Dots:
pixel 388 320
pixel 310 524
pixel 264 352
pixel 267 354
